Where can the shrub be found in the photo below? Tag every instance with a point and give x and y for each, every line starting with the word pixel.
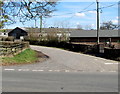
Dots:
pixel 2 30
pixel 10 38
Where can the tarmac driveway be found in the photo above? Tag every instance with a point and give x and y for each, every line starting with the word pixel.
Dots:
pixel 67 61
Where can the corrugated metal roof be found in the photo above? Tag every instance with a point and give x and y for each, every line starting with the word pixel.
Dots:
pixel 93 33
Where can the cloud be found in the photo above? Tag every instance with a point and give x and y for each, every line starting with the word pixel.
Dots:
pixel 64 16
pixel 92 12
pixel 80 14
pixel 117 17
pixel 72 6
pixel 115 21
pixel 78 23
pixel 92 24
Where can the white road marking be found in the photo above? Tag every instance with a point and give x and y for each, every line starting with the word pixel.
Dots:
pixel 110 63
pixel 67 71
pixel 54 70
pixel 34 70
pixel 37 70
pixel 9 69
pixel 23 69
pixel 50 70
pixel 40 70
pixel 19 69
pixel 57 70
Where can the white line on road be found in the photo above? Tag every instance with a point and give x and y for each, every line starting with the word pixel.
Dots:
pixel 67 71
pixel 23 69
pixel 9 69
pixel 53 70
pixel 37 70
pixel 34 70
pixel 19 69
pixel 57 70
pixel 40 70
pixel 50 70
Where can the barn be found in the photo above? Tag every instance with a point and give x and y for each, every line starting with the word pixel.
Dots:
pixel 17 33
pixel 90 36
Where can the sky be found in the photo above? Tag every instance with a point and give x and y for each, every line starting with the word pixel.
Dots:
pixel 69 15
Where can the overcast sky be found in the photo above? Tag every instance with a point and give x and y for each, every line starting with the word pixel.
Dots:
pixel 67 14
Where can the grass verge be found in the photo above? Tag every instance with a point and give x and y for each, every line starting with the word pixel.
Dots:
pixel 27 56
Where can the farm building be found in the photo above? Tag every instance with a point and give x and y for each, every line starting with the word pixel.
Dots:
pixel 90 36
pixel 3 34
pixel 17 33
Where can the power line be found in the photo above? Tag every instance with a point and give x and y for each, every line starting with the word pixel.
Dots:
pixel 73 13
pixel 88 6
pixel 96 9
pixel 84 10
pixel 69 18
pixel 107 6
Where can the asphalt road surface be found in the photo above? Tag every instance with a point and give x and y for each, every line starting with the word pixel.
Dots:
pixel 61 60
pixel 14 81
pixel 65 71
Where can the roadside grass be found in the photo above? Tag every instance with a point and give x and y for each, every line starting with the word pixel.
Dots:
pixel 27 56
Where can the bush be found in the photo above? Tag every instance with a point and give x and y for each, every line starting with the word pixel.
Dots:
pixel 10 38
pixel 50 40
pixel 26 38
pixel 2 30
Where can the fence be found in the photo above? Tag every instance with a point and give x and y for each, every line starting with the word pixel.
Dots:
pixel 12 48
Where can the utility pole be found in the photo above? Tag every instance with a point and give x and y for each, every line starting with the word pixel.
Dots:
pixel 97 22
pixel 40 23
pixel 35 23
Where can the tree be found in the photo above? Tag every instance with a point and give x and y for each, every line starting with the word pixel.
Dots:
pixel 108 26
pixel 62 24
pixel 3 20
pixel 44 24
pixel 88 27
pixel 79 27
pixel 27 10
pixel 3 17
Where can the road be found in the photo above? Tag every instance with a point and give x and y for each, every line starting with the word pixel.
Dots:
pixel 62 60
pixel 14 81
pixel 65 71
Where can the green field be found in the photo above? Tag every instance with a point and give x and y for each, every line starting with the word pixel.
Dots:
pixel 27 56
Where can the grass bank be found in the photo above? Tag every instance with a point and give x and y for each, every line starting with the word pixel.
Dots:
pixel 27 56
